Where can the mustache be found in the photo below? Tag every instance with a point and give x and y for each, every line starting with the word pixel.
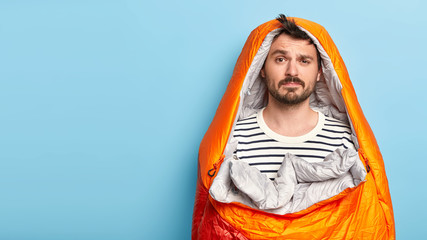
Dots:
pixel 290 80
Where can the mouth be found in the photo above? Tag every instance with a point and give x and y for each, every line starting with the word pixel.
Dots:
pixel 291 82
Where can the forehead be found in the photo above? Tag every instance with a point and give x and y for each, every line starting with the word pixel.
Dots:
pixel 285 42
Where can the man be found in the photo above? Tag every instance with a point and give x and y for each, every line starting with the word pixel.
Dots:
pixel 275 129
pixel 287 124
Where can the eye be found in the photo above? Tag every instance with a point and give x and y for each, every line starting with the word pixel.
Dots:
pixel 305 61
pixel 280 59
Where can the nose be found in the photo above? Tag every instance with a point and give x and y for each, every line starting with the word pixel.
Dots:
pixel 291 68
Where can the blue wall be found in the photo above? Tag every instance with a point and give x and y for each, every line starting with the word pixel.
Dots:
pixel 103 105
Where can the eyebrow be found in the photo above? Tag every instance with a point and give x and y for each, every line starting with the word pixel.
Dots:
pixel 303 56
pixel 279 51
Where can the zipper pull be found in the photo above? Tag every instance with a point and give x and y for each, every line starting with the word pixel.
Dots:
pixel 212 171
pixel 368 168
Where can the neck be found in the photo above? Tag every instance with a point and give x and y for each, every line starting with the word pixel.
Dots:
pixel 290 120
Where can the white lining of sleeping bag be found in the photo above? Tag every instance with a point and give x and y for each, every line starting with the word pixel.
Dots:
pixel 326 98
pixel 299 184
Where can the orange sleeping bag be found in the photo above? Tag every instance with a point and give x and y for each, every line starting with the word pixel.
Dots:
pixel 361 212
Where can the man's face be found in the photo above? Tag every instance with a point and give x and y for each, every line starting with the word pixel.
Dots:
pixel 291 70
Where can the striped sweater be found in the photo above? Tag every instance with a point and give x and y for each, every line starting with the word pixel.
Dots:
pixel 264 149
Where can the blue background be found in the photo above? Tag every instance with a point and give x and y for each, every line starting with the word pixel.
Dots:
pixel 103 105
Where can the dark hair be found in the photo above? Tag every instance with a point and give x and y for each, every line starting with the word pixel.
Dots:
pixel 290 28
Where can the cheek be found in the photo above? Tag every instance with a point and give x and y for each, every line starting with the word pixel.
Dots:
pixel 272 72
pixel 269 82
pixel 269 68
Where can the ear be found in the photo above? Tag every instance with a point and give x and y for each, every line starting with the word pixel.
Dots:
pixel 262 72
pixel 319 74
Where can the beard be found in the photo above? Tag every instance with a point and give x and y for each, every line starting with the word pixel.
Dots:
pixel 290 98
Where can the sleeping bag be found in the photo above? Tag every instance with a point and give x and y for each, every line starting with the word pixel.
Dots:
pixel 306 201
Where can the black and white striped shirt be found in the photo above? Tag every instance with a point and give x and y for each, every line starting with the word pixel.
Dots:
pixel 264 149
